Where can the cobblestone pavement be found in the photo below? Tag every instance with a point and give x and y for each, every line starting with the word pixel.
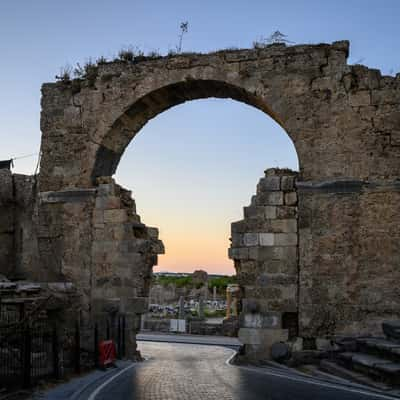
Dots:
pixel 197 372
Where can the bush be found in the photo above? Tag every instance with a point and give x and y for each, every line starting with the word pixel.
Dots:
pixel 178 281
pixel 221 283
pixel 65 74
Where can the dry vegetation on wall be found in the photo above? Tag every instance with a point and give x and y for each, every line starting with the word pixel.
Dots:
pixel 133 54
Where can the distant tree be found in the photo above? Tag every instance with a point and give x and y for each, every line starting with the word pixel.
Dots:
pixel 184 27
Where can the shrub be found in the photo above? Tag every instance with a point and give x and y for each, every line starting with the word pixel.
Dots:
pixel 65 74
pixel 126 55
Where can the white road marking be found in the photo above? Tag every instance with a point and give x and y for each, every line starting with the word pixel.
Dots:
pixel 265 372
pixel 104 384
pixel 311 381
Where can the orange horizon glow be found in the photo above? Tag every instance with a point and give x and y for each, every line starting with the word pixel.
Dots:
pixel 193 168
pixel 201 244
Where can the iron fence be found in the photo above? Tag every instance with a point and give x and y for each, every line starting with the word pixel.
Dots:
pixel 27 353
pixel 11 313
pixel 39 350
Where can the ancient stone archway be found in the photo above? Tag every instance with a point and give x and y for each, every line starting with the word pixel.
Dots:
pixel 125 128
pixel 344 122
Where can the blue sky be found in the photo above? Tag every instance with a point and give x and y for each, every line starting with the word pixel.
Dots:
pixel 193 167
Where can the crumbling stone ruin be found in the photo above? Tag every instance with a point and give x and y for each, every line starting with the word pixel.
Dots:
pixel 265 252
pixel 345 124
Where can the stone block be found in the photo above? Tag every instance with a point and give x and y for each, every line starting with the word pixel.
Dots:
pixel 269 183
pixel 360 98
pixel 6 220
pixel 152 232
pixel 258 320
pixel 286 239
pixel 270 199
pixel 258 341
pixel 238 253
pixel 157 247
pixel 72 117
pixel 237 240
pixel 395 138
pixel 286 212
pixel 108 202
pixel 106 189
pixel 239 226
pixel 287 183
pixel 6 186
pixel 271 172
pixel 254 212
pixel 117 216
pixel 270 212
pixel 266 239
pixel 261 253
pixel 284 225
pixel 285 252
pixel 68 196
pixel 98 218
pixel 250 239
pixel 291 198
pixel 287 267
pixel 268 253
pixel 324 344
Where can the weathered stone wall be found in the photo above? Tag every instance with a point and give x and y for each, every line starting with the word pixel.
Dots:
pixel 349 256
pixel 95 238
pixel 345 124
pixel 7 258
pixel 19 256
pixel 265 252
pixel 342 119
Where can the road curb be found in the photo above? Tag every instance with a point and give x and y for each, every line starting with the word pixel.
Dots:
pixel 108 374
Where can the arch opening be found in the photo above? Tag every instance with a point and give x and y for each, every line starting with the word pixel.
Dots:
pixel 198 159
pixel 140 112
pixel 128 124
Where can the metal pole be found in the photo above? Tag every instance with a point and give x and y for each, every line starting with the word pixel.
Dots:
pixel 77 347
pixel 26 365
pixel 123 335
pixel 119 338
pixel 96 345
pixel 56 360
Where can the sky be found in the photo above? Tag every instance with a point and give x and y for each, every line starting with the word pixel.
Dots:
pixel 192 168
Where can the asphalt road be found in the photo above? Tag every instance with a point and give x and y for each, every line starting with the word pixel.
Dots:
pixel 200 372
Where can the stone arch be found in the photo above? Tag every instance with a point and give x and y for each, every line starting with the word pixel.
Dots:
pixel 124 129
pixel 343 120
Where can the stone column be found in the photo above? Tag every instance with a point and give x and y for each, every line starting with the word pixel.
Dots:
pixel 181 314
pixel 264 249
pixel 228 303
pixel 201 308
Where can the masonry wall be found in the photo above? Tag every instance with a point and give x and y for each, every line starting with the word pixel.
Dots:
pixel 344 122
pixel 7 256
pixel 19 256
pixel 349 257
pixel 94 237
pixel 265 253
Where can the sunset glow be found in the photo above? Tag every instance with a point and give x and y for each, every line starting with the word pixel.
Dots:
pixel 191 175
